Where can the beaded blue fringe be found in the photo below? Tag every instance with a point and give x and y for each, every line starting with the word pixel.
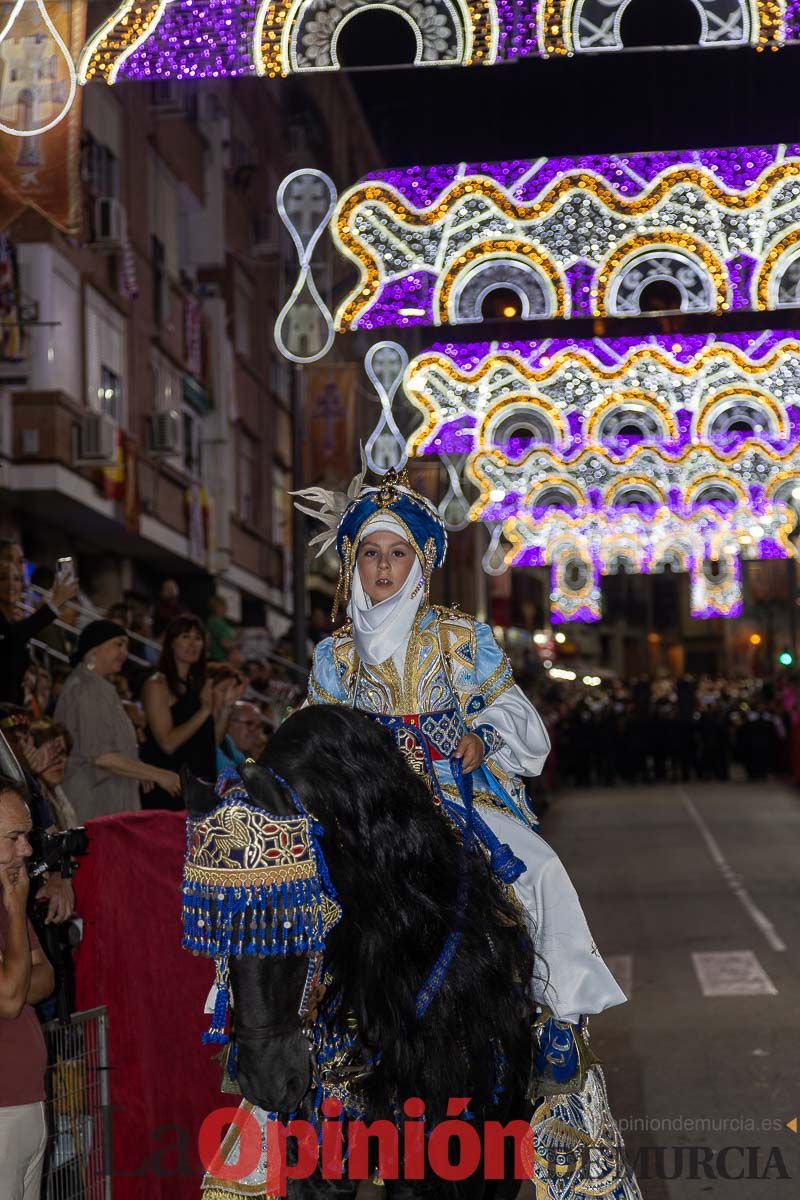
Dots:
pixel 262 920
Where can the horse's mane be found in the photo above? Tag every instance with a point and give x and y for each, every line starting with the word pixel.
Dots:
pixel 395 862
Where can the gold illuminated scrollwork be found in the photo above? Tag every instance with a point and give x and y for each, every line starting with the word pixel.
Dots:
pixel 117 38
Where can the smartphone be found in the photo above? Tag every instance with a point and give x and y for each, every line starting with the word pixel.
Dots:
pixel 65 570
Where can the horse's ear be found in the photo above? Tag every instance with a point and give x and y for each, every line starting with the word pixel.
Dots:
pixel 199 795
pixel 265 791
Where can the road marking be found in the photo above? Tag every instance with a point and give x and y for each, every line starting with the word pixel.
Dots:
pixel 732 973
pixel 621 967
pixel 734 882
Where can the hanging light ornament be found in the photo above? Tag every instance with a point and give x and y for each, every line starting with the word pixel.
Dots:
pixel 385 363
pixel 304 329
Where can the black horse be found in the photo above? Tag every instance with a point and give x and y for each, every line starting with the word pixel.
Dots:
pixel 405 883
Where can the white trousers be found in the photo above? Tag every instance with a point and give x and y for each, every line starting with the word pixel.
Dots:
pixel 23 1137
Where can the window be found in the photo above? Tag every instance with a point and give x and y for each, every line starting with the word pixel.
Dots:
pixel 164 200
pixel 280 379
pixel 160 282
pixel 109 393
pixel 191 443
pixel 105 357
pixel 99 168
pixel 243 305
pixel 167 392
pixel 281 524
pixel 247 477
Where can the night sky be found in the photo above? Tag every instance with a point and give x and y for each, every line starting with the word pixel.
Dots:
pixel 623 102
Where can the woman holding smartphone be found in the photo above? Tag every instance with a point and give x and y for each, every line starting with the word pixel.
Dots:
pixel 16 630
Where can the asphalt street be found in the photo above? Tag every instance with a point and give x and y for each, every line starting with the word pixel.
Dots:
pixel 692 894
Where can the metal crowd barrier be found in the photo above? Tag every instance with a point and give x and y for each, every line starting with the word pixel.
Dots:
pixel 78 1160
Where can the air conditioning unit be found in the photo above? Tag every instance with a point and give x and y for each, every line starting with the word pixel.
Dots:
pixel 165 433
pixel 109 224
pixel 97 441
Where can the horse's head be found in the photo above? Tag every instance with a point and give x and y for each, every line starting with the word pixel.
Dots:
pixel 254 900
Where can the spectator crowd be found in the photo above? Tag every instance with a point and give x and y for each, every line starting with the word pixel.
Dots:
pixel 130 695
pixel 103 710
pixel 643 731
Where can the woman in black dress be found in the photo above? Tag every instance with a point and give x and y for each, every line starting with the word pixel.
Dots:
pixel 187 717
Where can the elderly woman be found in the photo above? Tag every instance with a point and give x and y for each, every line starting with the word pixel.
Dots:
pixel 104 772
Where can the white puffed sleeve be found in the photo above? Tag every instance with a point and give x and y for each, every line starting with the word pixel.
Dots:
pixel 522 745
pixel 525 741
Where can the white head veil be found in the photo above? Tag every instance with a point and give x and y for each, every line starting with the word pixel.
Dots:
pixel 382 630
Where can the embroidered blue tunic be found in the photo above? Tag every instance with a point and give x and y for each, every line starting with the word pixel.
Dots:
pixel 451 678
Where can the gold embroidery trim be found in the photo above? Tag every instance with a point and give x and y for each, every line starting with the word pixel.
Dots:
pixel 316 687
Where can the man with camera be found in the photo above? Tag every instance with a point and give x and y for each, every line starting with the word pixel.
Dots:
pixel 26 978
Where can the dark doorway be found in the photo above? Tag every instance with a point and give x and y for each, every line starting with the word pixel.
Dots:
pixel 376 37
pixel 660 23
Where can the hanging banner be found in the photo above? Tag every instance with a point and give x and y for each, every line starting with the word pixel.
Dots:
pixel 329 424
pixel 113 478
pixel 40 110
pixel 131 495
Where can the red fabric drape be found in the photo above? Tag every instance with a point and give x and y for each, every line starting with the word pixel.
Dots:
pixel 163 1082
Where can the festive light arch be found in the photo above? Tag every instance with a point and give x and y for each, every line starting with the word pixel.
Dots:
pixel 534 414
pixel 293 36
pixel 715 488
pixel 480 270
pixel 688 263
pixel 596 232
pixel 741 403
pixel 218 38
pixel 697 380
pixel 581 26
pixel 711 473
pixel 639 409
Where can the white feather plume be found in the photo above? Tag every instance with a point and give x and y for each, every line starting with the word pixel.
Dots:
pixel 331 506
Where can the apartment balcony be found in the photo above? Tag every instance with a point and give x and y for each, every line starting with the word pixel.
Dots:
pixel 128 504
pixel 44 427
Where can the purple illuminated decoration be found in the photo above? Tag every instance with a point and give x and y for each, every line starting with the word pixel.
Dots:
pixel 197 39
pixel 609 352
pixel 669 448
pixel 574 237
pixel 792 20
pixel 201 39
pixel 736 168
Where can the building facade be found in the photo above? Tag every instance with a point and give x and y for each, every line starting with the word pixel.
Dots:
pixel 146 414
